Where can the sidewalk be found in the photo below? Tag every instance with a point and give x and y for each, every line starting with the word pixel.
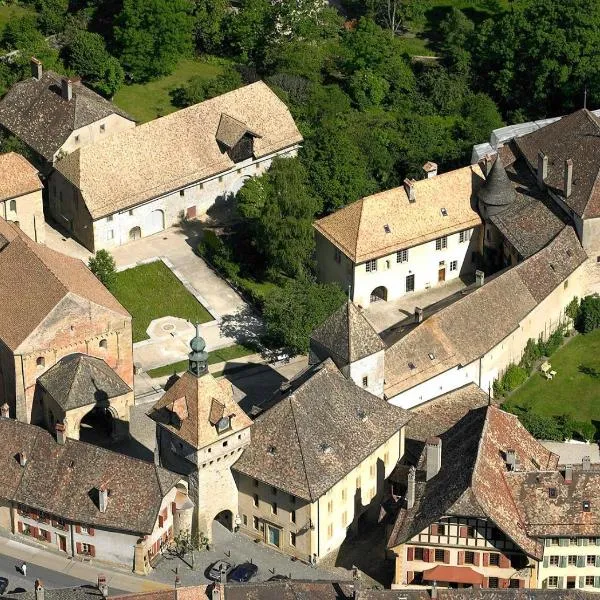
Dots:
pixel 55 561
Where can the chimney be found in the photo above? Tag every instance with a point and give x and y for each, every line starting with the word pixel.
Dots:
pixel 66 89
pixel 409 188
pixel 434 457
pixel 102 585
pixel 479 278
pixel 418 315
pixel 542 169
pixel 177 581
pixel 102 498
pixel 4 411
pixel 511 460
pixel 586 463
pixel 223 575
pixel 39 590
pixel 61 436
pixel 356 590
pixel 22 459
pixel 410 487
pixel 216 592
pixel 36 68
pixel 568 474
pixel 434 593
pixel 568 181
pixel 430 169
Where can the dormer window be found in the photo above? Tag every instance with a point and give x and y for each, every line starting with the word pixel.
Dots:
pixel 444 212
pixel 586 506
pixel 235 138
pixel 431 356
pixel 223 424
pixel 387 229
pixel 552 492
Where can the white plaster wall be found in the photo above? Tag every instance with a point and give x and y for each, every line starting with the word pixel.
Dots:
pixel 29 214
pixel 591 237
pixel 591 548
pixel 111 546
pixel 371 367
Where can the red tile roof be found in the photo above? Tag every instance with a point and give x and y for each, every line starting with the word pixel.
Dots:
pixel 453 575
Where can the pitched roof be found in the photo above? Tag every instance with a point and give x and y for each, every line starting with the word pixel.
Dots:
pixel 230 131
pixel 179 149
pixel 76 470
pixel 318 433
pixel 577 137
pixel 383 223
pixel 17 176
pixel 35 111
pixel 471 326
pixel 498 191
pixel 78 380
pixel 346 336
pixel 189 408
pixel 35 279
pixel 474 479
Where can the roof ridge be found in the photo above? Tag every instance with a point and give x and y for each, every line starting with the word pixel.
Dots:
pixel 310 493
pixel 75 373
pixel 362 208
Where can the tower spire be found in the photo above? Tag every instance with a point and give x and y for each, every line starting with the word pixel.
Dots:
pixel 198 357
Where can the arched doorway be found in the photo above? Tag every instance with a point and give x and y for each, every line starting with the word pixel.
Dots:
pixel 98 425
pixel 222 524
pixel 379 293
pixel 135 233
pixel 156 222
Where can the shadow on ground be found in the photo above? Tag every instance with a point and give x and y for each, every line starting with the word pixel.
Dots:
pixel 254 385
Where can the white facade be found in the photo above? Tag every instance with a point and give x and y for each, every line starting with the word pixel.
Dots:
pixel 368 373
pixel 27 212
pixel 402 272
pixel 570 562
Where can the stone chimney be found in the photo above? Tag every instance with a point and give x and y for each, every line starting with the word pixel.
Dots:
pixel 479 278
pixel 223 575
pixel 409 188
pixel 568 181
pixel 434 457
pixel 216 592
pixel 542 169
pixel 4 411
pixel 430 169
pixel 568 474
pixel 22 458
pixel 411 487
pixel 102 498
pixel 102 585
pixel 66 89
pixel 418 315
pixel 61 436
pixel 586 463
pixel 39 590
pixel 177 581
pixel 36 68
pixel 434 591
pixel 356 589
pixel 511 460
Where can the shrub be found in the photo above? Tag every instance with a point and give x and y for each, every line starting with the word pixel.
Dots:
pixel 102 265
pixel 513 377
pixel 572 310
pixel 531 353
pixel 591 370
pixel 589 314
pixel 553 343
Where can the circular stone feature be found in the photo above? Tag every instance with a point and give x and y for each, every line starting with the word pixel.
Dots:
pixel 168 327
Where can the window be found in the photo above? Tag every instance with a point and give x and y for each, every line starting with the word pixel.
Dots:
pixel 439 555
pixel 330 530
pixel 256 500
pixel 493 582
pixel 371 265
pixel 387 229
pixel 223 424
pixel 441 530
pixel 572 541
pixel 182 193
pixel 330 506
pixel 469 557
pixel 103 344
pixel 589 580
pixel 358 483
pixel 464 236
pixel 554 561
pixel 86 549
pixel 402 256
pixel 566 284
pixel 13 206
pixel 110 234
pixel 410 283
pixel 273 536
pixel 76 139
pixel 40 361
pixel 102 127
pixel 513 583
pixel 585 506
pixel 552 582
pixel 552 492
pixel 292 539
pixel 274 508
pixel 386 458
pixel 293 516
pixel 255 482
pixel 337 255
pixel 443 212
pixel 365 381
pixel 441 243
pixel 494 559
pixel 590 560
pixel 453 265
pixel 471 532
pixel 225 444
pixel 131 213
pixel 255 522
pixel 554 542
pixel 221 179
pixel 419 553
pixel 344 518
pixel 572 562
pixel 109 219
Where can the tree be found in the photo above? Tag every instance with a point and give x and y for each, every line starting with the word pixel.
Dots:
pixel 199 89
pixel 102 265
pixel 397 15
pixel 456 31
pixel 153 35
pixel 249 31
pixel 209 17
pixel 86 54
pixel 294 310
pixel 589 314
pixel 52 15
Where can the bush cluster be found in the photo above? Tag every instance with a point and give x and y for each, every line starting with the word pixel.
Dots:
pixel 556 428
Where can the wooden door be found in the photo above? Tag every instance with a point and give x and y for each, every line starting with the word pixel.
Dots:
pixel 442 274
pixel 62 543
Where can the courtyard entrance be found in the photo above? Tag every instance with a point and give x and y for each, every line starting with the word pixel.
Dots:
pixel 379 293
pixel 98 426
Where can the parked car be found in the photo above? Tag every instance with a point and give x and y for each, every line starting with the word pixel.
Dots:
pixel 243 573
pixel 214 573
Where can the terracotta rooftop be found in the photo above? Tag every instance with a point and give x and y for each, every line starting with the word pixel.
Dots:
pixel 577 137
pixel 190 406
pixel 17 176
pixel 451 574
pixel 76 470
pixel 135 165
pixel 346 336
pixel 35 111
pixel 316 434
pixel 383 223
pixel 26 270
pixel 449 336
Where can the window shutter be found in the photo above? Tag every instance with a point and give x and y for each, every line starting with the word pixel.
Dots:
pixel 409 576
pixel 546 562
pixel 173 507
pixel 503 583
pixel 521 583
pixel 91 531
pixel 597 541
pixel 563 541
pixel 547 542
pixel 78 546
pixel 77 529
pixel 485 583
pixel 410 553
pixel 429 555
pixel 597 561
pixel 504 562
pixel 563 562
pixel 160 520
pixel 447 556
pixel 486 559
pixel 585 541
pixel 34 532
pixel 461 557
pixel 463 531
pixel 580 541
pixel 20 527
pixel 581 561
pixel 582 582
pixel 596 581
pixel 92 551
pixel 561 583
pixel 434 529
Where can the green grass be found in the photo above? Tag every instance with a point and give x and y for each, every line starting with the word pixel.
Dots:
pixel 12 11
pixel 147 101
pixel 216 356
pixel 151 291
pixel 570 392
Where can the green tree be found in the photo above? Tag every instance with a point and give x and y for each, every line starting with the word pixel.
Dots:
pixel 294 310
pixel 52 15
pixel 86 54
pixel 249 31
pixel 589 314
pixel 399 15
pixel 21 33
pixel 102 265
pixel 209 23
pixel 153 35
pixel 199 89
pixel 456 32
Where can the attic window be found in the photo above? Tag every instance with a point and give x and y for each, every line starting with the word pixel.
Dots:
pixel 271 450
pixel 444 212
pixel 431 356
pixel 411 365
pixel 552 492
pixel 326 448
pixel 223 424
pixel 387 229
pixel 586 506
pixel 362 415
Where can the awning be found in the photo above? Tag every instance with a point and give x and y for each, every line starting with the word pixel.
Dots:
pixel 453 575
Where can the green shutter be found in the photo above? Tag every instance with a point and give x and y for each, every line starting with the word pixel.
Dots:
pixel 546 562
pixel 563 541
pixel 582 582
pixel 563 562
pixel 561 581
pixel 585 541
pixel 597 541
pixel 596 581
pixel 581 561
pixel 547 542
pixel 580 541
pixel 597 561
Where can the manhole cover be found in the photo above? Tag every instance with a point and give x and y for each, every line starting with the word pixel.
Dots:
pixel 168 327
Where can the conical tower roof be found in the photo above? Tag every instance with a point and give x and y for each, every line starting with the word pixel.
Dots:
pixel 498 191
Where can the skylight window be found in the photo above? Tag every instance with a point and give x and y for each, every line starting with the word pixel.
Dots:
pixel 552 492
pixel 271 450
pixel 431 356
pixel 326 448
pixel 387 229
pixel 444 212
pixel 586 506
pixel 411 365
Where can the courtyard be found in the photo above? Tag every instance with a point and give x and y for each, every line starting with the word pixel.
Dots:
pixel 572 391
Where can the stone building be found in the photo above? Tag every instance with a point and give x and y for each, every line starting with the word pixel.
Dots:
pixel 141 181
pixel 21 195
pixel 201 432
pixel 52 307
pixel 403 240
pixel 316 467
pixel 86 501
pixel 54 115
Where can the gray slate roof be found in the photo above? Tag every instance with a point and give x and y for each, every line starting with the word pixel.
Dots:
pixel 346 336
pixel 318 433
pixel 497 192
pixel 78 380
pixel 34 111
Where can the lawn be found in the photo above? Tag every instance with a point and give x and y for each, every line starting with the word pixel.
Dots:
pixel 216 356
pixel 151 291
pixel 147 101
pixel 571 391
pixel 12 11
